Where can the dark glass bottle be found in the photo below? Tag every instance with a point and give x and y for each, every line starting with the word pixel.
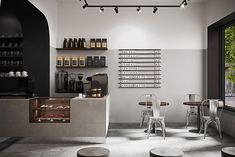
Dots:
pixel 65 44
pixel 75 43
pixel 70 45
pixel 84 43
pixel 79 43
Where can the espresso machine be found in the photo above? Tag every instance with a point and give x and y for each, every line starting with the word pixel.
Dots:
pixel 99 82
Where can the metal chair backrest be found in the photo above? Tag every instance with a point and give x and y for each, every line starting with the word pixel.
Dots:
pixel 148 99
pixel 214 105
pixel 156 108
pixel 192 97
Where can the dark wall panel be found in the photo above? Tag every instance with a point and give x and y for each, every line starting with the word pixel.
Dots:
pixel 213 63
pixel 36 57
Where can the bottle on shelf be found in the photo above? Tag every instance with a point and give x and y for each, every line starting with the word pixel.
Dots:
pixel 84 43
pixel 98 43
pixel 65 44
pixel 92 43
pixel 70 45
pixel 79 43
pixel 104 43
pixel 75 43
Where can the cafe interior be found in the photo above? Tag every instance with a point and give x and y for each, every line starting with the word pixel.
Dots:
pixel 117 78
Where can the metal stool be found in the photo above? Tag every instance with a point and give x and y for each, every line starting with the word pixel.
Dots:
pixel 166 152
pixel 93 152
pixel 228 152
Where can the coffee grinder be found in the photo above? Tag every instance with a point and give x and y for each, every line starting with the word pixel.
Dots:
pixel 80 84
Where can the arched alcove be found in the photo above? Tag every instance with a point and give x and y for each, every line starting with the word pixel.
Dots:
pixel 36 50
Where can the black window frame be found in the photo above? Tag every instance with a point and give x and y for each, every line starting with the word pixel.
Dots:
pixel 216 59
pixel 222 52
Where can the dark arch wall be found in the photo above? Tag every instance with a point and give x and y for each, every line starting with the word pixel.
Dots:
pixel 36 43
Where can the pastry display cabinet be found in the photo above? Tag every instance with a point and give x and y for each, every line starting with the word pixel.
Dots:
pixel 49 110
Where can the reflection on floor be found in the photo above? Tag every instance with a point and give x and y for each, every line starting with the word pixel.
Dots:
pixel 131 142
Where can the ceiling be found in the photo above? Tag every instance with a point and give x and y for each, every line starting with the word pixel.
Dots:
pixel 161 2
pixel 142 1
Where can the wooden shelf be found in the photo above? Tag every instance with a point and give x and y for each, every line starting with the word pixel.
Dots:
pixel 140 66
pixel 143 83
pixel 81 49
pixel 139 70
pixel 11 38
pixel 11 47
pixel 12 57
pixel 155 54
pixel 139 58
pixel 139 78
pixel 139 62
pixel 83 67
pixel 11 66
pixel 139 74
pixel 139 87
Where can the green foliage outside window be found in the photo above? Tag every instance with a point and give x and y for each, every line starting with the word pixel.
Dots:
pixel 230 53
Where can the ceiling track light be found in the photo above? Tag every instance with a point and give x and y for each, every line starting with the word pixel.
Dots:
pixel 116 7
pixel 101 9
pixel 155 10
pixel 116 10
pixel 85 5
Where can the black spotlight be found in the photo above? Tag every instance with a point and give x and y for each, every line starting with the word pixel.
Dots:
pixel 101 9
pixel 154 10
pixel 116 9
pixel 85 5
pixel 139 9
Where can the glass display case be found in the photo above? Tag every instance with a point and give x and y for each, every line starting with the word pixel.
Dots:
pixel 50 110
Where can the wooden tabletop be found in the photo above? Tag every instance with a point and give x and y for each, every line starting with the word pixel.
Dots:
pixel 195 103
pixel 149 104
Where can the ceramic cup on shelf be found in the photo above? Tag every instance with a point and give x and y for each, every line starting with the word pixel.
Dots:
pixel 11 74
pixel 80 95
pixel 18 74
pixel 24 73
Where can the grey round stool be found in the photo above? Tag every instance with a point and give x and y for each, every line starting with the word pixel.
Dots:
pixel 166 152
pixel 93 152
pixel 228 152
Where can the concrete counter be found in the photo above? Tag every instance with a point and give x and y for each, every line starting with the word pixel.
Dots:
pixel 89 120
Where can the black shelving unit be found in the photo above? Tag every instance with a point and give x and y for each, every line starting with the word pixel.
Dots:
pixel 11 53
pixel 139 68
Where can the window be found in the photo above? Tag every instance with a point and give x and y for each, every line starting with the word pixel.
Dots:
pixel 229 59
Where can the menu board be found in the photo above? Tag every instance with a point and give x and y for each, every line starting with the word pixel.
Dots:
pixel 139 68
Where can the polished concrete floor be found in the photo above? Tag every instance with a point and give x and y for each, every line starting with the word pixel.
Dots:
pixel 122 142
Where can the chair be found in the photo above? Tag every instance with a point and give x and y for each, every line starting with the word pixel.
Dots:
pixel 192 111
pixel 214 115
pixel 147 112
pixel 156 118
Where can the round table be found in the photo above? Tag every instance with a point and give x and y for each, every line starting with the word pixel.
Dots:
pixel 93 152
pixel 166 152
pixel 149 104
pixel 228 152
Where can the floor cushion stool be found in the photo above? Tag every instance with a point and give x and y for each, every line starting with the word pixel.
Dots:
pixel 228 152
pixel 166 152
pixel 93 152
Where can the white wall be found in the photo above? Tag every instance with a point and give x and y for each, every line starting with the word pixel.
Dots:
pixel 217 9
pixel 173 28
pixel 179 32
